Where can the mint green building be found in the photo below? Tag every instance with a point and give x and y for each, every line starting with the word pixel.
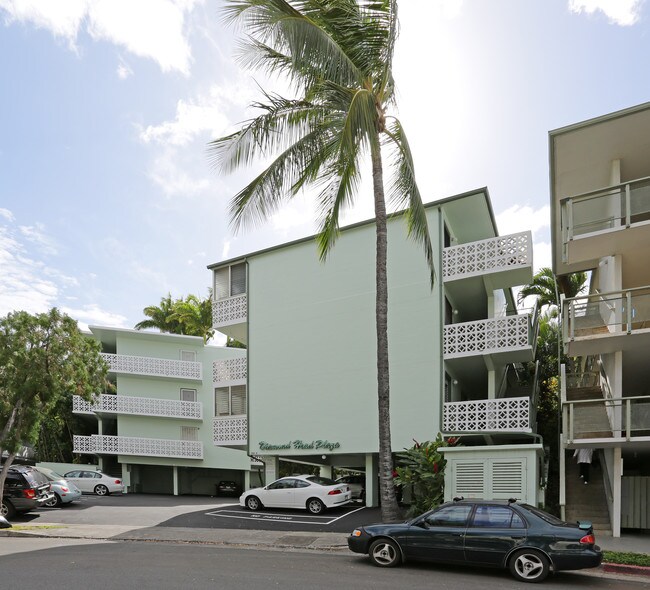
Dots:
pixel 455 351
pixel 158 432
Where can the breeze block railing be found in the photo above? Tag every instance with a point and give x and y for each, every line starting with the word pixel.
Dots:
pixel 487 256
pixel 101 444
pixel 231 310
pixel 488 415
pixel 154 367
pixel 230 430
pixel 489 336
pixel 139 406
pixel 230 371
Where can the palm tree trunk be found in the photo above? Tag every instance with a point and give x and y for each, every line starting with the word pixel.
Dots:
pixel 389 509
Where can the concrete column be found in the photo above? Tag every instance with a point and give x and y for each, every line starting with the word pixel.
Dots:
pixel 372 480
pixel 126 478
pixel 326 471
pixel 271 469
pixel 492 385
pixel 175 471
pixel 616 492
pixel 247 480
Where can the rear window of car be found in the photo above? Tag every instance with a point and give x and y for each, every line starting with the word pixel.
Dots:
pixel 321 481
pixel 35 478
pixel 543 515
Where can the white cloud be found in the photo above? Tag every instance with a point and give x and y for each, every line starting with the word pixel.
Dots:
pixel 8 215
pixel 167 174
pixel 124 71
pixel 153 29
pixel 522 218
pixel 36 235
pixel 226 250
pixel 92 314
pixel 620 12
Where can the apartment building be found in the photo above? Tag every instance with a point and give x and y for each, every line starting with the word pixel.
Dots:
pixel 457 351
pixel 600 212
pixel 163 428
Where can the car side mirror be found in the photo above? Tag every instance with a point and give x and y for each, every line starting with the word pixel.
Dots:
pixel 422 524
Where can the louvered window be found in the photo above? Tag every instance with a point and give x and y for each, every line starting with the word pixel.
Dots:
pixel 189 433
pixel 188 355
pixel 230 401
pixel 470 479
pixel 507 479
pixel 188 395
pixel 230 281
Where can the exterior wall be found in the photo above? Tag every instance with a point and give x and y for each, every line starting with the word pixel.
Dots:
pixel 312 357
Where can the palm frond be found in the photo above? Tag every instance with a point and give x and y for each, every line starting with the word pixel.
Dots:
pixel 405 194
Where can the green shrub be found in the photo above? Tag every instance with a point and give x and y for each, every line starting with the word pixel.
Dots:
pixel 626 558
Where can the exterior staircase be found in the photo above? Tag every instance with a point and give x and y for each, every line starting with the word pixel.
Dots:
pixel 590 420
pixel 587 502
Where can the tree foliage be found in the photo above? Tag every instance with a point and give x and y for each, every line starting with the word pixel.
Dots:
pixel 191 316
pixel 44 358
pixel 338 57
pixel 545 288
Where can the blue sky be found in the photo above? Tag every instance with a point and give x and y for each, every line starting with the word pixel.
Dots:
pixel 106 198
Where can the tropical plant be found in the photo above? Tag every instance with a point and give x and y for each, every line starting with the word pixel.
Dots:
pixel 545 288
pixel 338 57
pixel 43 358
pixel 422 470
pixel 161 317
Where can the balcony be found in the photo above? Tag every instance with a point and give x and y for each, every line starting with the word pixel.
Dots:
pixel 229 316
pixel 230 431
pixel 230 372
pixel 506 260
pixel 606 322
pixel 98 444
pixel 606 221
pixel 504 339
pixel 487 415
pixel 153 367
pixel 138 406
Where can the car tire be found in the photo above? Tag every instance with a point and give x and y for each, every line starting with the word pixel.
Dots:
pixel 385 553
pixel 315 506
pixel 253 503
pixel 55 502
pixel 528 565
pixel 7 509
pixel 101 490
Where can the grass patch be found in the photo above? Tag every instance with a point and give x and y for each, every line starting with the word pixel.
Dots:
pixel 27 527
pixel 626 558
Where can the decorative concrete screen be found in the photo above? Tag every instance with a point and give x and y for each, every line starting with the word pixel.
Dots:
pixel 156 367
pixel 229 371
pixel 231 430
pixel 145 447
pixel 140 406
pixel 229 311
pixel 488 415
pixel 486 336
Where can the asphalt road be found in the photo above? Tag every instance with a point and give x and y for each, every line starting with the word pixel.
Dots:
pixel 144 566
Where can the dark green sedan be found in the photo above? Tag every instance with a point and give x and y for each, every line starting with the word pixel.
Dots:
pixel 489 533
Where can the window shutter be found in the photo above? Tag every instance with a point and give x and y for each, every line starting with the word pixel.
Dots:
pixel 188 355
pixel 189 433
pixel 237 279
pixel 470 479
pixel 507 479
pixel 222 401
pixel 188 395
pixel 238 399
pixel 222 283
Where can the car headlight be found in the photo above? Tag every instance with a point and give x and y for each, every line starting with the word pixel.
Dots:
pixel 356 533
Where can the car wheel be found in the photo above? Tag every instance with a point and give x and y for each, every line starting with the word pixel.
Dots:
pixel 54 502
pixel 315 506
pixel 7 509
pixel 101 490
pixel 384 553
pixel 529 565
pixel 253 503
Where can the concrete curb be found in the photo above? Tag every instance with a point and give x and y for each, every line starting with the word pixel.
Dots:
pixel 620 568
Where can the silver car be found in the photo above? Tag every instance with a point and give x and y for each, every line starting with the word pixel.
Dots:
pixel 64 491
pixel 95 482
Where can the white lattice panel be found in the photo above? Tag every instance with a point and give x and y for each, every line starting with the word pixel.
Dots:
pixel 145 447
pixel 486 336
pixel 488 415
pixel 229 371
pixel 487 256
pixel 232 310
pixel 230 430
pixel 156 367
pixel 139 406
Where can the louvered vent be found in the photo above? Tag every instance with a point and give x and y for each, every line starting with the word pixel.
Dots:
pixel 222 401
pixel 238 400
pixel 188 395
pixel 222 283
pixel 237 279
pixel 507 479
pixel 470 479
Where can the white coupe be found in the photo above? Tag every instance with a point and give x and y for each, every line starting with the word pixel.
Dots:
pixel 308 492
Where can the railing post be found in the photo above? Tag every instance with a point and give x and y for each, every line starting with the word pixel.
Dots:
pixel 572 318
pixel 628 202
pixel 628 300
pixel 571 413
pixel 628 419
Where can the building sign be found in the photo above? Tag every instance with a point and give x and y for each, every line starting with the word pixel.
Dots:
pixel 300 445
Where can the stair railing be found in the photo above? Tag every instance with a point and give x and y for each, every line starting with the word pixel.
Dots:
pixel 609 494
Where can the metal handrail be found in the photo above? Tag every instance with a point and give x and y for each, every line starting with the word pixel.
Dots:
pixel 592 193
pixel 599 294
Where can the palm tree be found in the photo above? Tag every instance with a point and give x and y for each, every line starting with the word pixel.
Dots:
pixel 338 56
pixel 544 287
pixel 195 316
pixel 161 317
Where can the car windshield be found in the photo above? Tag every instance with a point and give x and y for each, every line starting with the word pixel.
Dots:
pixel 321 481
pixel 51 475
pixel 543 515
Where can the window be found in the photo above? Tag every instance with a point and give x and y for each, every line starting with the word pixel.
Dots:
pixel 188 355
pixel 189 433
pixel 230 401
pixel 282 484
pixel 496 517
pixel 188 395
pixel 449 516
pixel 230 281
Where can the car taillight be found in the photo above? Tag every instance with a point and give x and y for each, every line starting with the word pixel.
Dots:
pixel 334 492
pixel 118 482
pixel 29 493
pixel 63 489
pixel 588 540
